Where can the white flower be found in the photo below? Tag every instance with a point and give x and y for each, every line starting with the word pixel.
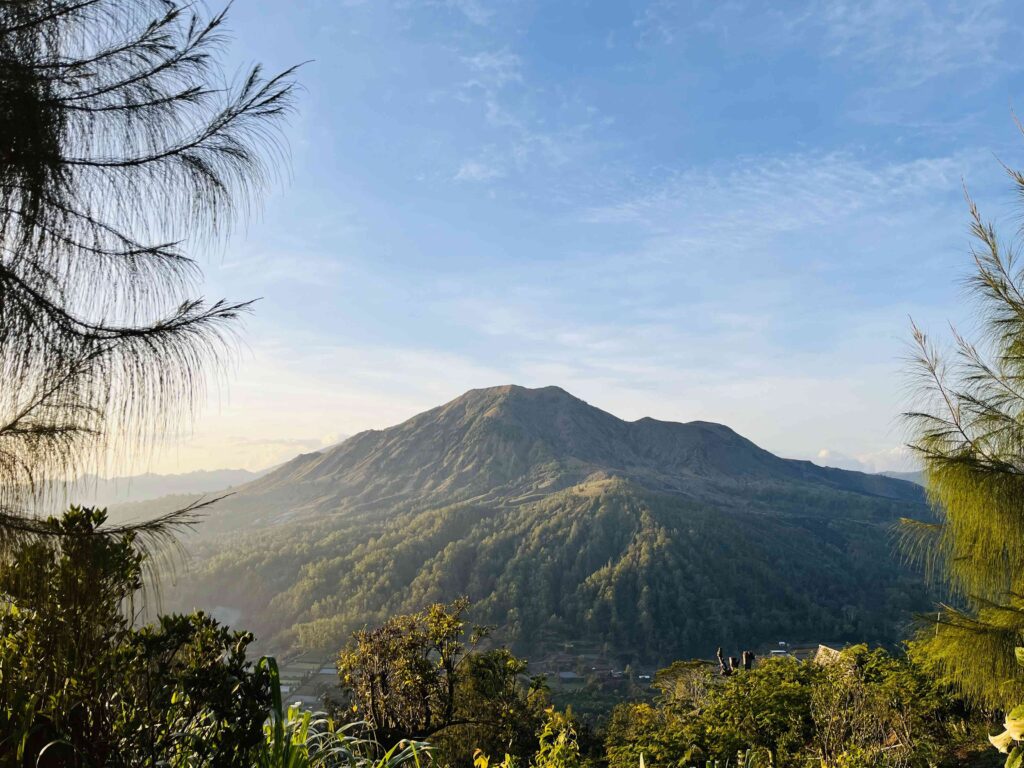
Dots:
pixel 1003 741
pixel 1014 727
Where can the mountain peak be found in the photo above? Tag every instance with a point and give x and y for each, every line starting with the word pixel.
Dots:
pixel 511 441
pixel 515 393
pixel 518 389
pixel 560 518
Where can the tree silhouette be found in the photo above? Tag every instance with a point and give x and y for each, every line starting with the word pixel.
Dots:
pixel 121 143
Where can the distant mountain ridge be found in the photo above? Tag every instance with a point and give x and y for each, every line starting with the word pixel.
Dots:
pixel 561 520
pixel 105 492
pixel 916 477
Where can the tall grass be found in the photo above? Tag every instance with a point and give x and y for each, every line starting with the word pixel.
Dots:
pixel 297 738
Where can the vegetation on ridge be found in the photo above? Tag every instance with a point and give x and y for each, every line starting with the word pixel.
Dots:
pixel 618 558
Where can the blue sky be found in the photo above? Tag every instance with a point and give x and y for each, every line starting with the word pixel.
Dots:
pixel 689 210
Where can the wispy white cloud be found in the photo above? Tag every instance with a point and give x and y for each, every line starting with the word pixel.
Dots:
pixel 494 69
pixel 476 170
pixel 476 12
pixel 912 40
pixel 656 23
pixel 519 138
pixel 743 204
pixel 903 44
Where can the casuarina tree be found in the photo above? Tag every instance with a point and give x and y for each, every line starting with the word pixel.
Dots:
pixel 968 432
pixel 122 147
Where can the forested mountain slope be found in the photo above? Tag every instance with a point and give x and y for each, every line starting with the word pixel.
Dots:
pixel 560 520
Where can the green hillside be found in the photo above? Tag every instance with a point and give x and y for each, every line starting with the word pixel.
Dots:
pixel 560 521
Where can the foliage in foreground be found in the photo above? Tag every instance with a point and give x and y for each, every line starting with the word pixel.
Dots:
pixel 297 738
pixel 415 678
pixel 81 685
pixel 557 747
pixel 866 708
